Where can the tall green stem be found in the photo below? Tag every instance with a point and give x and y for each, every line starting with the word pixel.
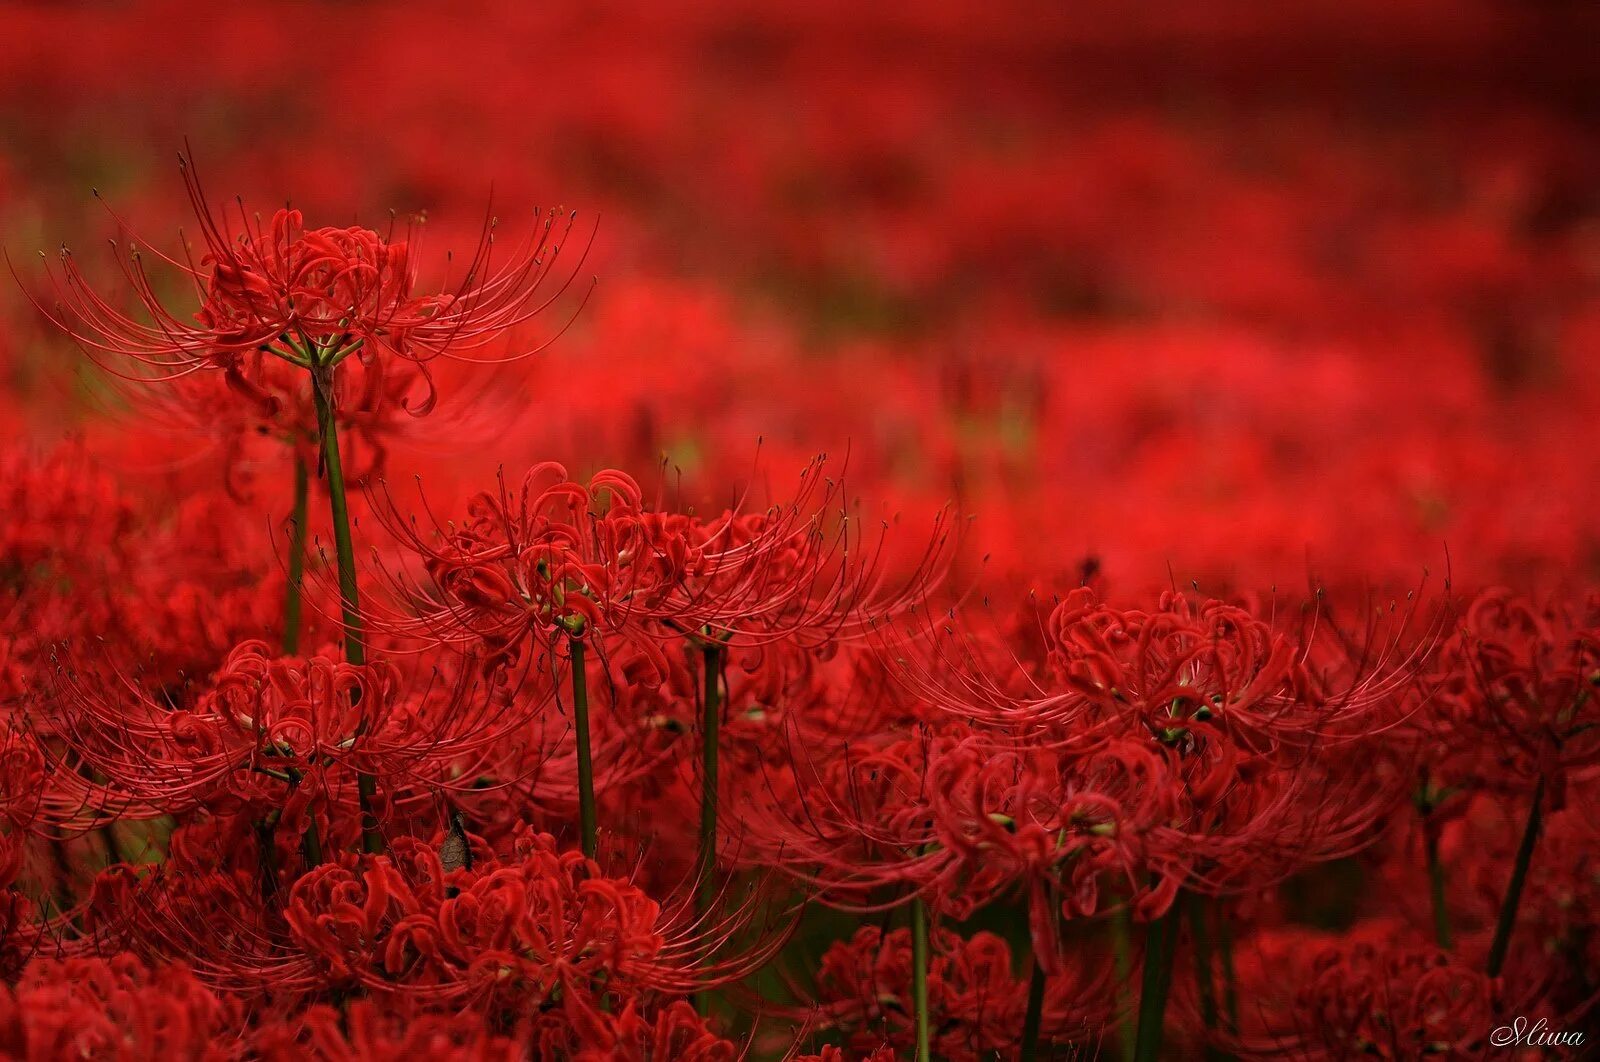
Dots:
pixel 355 649
pixel 1230 979
pixel 1519 875
pixel 1160 939
pixel 297 557
pixel 267 855
pixel 580 721
pixel 1441 914
pixel 311 845
pixel 919 977
pixel 710 728
pixel 1122 945
pixel 311 842
pixel 1035 1014
pixel 1200 931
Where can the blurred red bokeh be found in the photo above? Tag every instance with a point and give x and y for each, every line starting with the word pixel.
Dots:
pixel 1263 295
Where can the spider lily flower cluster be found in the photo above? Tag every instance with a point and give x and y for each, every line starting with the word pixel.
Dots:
pixel 456 823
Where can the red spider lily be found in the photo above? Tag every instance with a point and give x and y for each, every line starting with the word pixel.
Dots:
pixel 1213 668
pixel 205 905
pixel 1253 744
pixel 1556 947
pixel 383 1028
pixel 166 591
pixel 370 400
pixel 60 511
pixel 197 424
pixel 975 1001
pixel 1517 695
pixel 266 723
pixel 1214 665
pixel 962 823
pixel 1395 1004
pixel 63 544
pixel 561 557
pixel 673 1032
pixel 1064 828
pixel 779 697
pixel 304 296
pixel 506 931
pixel 205 583
pixel 540 928
pixel 1375 994
pixel 116 1008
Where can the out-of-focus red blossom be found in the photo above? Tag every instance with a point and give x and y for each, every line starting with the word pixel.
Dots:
pixel 114 1008
pixel 562 558
pixel 676 1032
pixel 975 1003
pixel 1517 695
pixel 1554 945
pixel 547 926
pixel 1557 942
pixel 836 1054
pixel 65 525
pixel 369 1029
pixel 1185 748
pixel 542 928
pixel 372 403
pixel 1374 991
pixel 966 823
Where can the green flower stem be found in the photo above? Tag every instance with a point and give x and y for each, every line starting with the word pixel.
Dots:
pixel 267 857
pixel 1035 1014
pixel 311 842
pixel 1160 938
pixel 1122 946
pixel 297 557
pixel 1441 914
pixel 1199 930
pixel 1519 875
pixel 710 728
pixel 919 977
pixel 1230 980
pixel 311 845
pixel 580 721
pixel 355 649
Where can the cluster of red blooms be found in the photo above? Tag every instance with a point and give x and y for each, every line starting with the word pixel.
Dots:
pixel 614 737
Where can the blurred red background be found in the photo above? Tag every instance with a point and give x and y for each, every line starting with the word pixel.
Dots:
pixel 1260 292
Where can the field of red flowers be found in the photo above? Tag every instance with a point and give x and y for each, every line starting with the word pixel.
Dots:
pixel 799 529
